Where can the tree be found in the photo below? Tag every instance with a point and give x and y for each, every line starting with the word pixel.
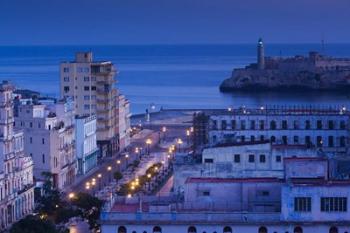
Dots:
pixel 117 176
pixel 35 224
pixel 90 207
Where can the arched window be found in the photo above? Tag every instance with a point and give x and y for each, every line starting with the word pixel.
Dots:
pixel 134 232
pixel 262 230
pixel 192 229
pixel 227 229
pixel 272 125
pixel 157 229
pixel 122 229
pixel 333 230
pixel 298 229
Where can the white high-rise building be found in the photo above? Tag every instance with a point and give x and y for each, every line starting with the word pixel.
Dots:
pixel 16 168
pixel 50 140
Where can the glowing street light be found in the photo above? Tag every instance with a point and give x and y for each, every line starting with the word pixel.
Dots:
pixel 99 175
pixel 179 143
pixel 71 195
pixel 109 169
pixel 148 142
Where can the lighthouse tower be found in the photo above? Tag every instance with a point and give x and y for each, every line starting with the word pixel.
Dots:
pixel 261 55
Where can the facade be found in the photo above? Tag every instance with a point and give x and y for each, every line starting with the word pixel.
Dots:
pixel 86 147
pixel 304 201
pixel 16 167
pixel 50 140
pixel 325 129
pixel 91 85
pixel 123 129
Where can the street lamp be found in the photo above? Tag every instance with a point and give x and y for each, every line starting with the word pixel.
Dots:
pixel 71 196
pixel 118 164
pixel 99 176
pixel 109 169
pixel 179 142
pixel 188 134
pixel 148 142
pixel 126 160
pixel 164 129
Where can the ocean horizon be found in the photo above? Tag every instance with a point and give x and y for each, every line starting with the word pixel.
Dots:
pixel 167 76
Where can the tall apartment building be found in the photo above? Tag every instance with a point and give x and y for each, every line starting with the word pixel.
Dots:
pixel 16 168
pixel 50 140
pixel 86 147
pixel 91 85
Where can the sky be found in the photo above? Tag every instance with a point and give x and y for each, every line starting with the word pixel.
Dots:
pixel 101 22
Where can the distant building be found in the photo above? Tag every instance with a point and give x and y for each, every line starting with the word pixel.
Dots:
pixel 86 147
pixel 304 200
pixel 16 167
pixel 91 85
pixel 50 140
pixel 123 129
pixel 325 129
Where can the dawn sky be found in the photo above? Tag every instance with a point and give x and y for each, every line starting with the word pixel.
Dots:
pixel 27 22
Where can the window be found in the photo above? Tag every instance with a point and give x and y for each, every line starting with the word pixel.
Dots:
pixel 262 138
pixel 334 204
pixel 66 88
pixel 223 125
pixel 93 97
pixel 43 140
pixel 233 124
pixel 86 79
pixel 342 141
pixel 66 79
pixel 208 160
pixel 93 78
pixel 31 124
pixel 86 106
pixel 330 124
pixel 192 229
pixel 284 124
pixel 122 229
pixel 206 193
pixel 262 158
pixel 43 158
pixel 65 69
pixel 278 158
pixel 334 229
pixel 298 230
pixel 157 229
pixel 302 204
pixel 262 230
pixel 242 138
pixel 30 140
pixel 273 125
pixel 319 124
pixel 227 229
pixel 39 125
pixel 252 138
pixel 342 125
pixel 261 125
pixel 237 158
pixel 93 88
pixel 242 125
pixel 252 124
pixel 296 124
pixel 296 139
pixel 307 124
pixel 330 141
pixel 215 124
pixel 285 140
pixel 251 158
pixel 273 139
pixel 308 141
pixel 86 97
pixel 86 88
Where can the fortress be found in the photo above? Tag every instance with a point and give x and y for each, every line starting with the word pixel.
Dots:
pixel 314 72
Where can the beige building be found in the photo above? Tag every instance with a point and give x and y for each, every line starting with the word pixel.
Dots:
pixel 16 168
pixel 123 121
pixel 50 140
pixel 91 85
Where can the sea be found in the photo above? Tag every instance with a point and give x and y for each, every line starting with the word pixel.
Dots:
pixel 169 76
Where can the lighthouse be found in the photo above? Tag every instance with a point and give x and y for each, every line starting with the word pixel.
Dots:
pixel 261 55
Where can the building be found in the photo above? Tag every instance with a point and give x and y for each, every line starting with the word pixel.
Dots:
pixel 123 129
pixel 50 140
pixel 304 200
pixel 325 129
pixel 91 85
pixel 16 167
pixel 86 147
